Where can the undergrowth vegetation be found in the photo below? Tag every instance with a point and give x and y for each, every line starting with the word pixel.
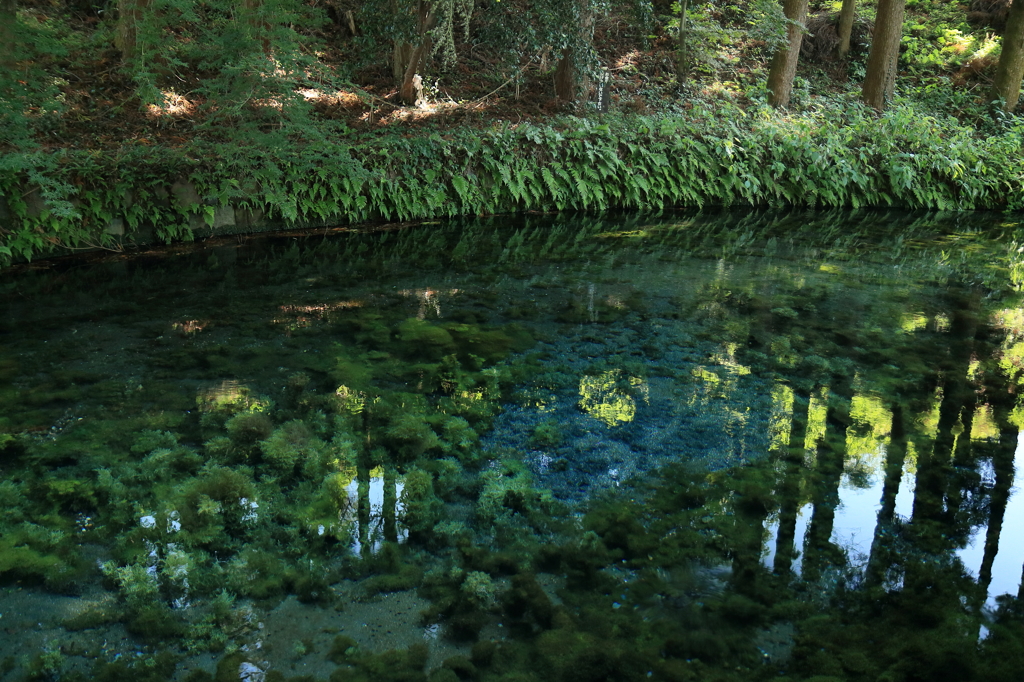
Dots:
pixel 833 155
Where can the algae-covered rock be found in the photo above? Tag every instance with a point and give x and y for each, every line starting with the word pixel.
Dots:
pixel 351 371
pixel 461 666
pixel 395 665
pixel 24 562
pixel 444 675
pixel 228 667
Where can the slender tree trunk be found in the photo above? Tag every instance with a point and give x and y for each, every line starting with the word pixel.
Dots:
pixel 407 57
pixel 364 513
pixel 1006 86
pixel 390 512
pixel 412 85
pixel 1003 464
pixel 129 16
pixel 401 55
pixel 682 63
pixel 880 81
pixel 783 68
pixel 846 16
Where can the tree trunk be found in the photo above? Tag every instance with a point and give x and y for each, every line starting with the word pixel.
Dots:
pixel 569 82
pixel 682 65
pixel 1006 86
pixel 783 68
pixel 411 91
pixel 880 82
pixel 879 556
pixel 565 77
pixel 827 476
pixel 8 17
pixel 407 57
pixel 401 55
pixel 129 16
pixel 846 17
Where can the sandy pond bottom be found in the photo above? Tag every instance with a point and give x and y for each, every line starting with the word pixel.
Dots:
pixel 290 637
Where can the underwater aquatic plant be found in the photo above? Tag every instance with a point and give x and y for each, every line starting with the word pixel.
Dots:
pixel 291 445
pixel 256 573
pixel 547 434
pixel 246 428
pixel 148 441
pixel 422 507
pixel 449 477
pixel 409 435
pixel 479 590
pixel 459 436
pixel 148 615
pixel 507 488
pixel 329 515
pixel 424 340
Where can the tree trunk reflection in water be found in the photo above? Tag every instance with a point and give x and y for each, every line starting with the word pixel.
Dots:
pixel 825 483
pixel 1003 452
pixel 788 490
pixel 390 505
pixel 363 513
pixel 932 501
pixel 895 457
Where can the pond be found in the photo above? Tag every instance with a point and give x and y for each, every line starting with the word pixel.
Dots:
pixel 695 446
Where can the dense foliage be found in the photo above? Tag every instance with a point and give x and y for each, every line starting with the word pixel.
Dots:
pixel 140 119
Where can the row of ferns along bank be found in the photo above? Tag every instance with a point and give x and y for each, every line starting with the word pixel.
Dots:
pixel 839 155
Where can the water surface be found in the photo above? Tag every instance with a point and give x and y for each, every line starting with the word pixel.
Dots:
pixel 695 447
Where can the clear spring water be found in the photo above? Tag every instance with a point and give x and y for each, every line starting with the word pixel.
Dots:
pixel 696 447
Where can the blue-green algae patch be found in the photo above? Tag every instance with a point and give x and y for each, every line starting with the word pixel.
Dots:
pixel 688 447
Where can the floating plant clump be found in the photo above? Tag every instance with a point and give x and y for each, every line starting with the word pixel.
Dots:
pixel 701 447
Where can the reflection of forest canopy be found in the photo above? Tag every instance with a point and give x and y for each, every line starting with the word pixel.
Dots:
pixel 935 399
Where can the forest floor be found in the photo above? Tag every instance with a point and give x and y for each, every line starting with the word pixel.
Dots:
pixel 102 108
